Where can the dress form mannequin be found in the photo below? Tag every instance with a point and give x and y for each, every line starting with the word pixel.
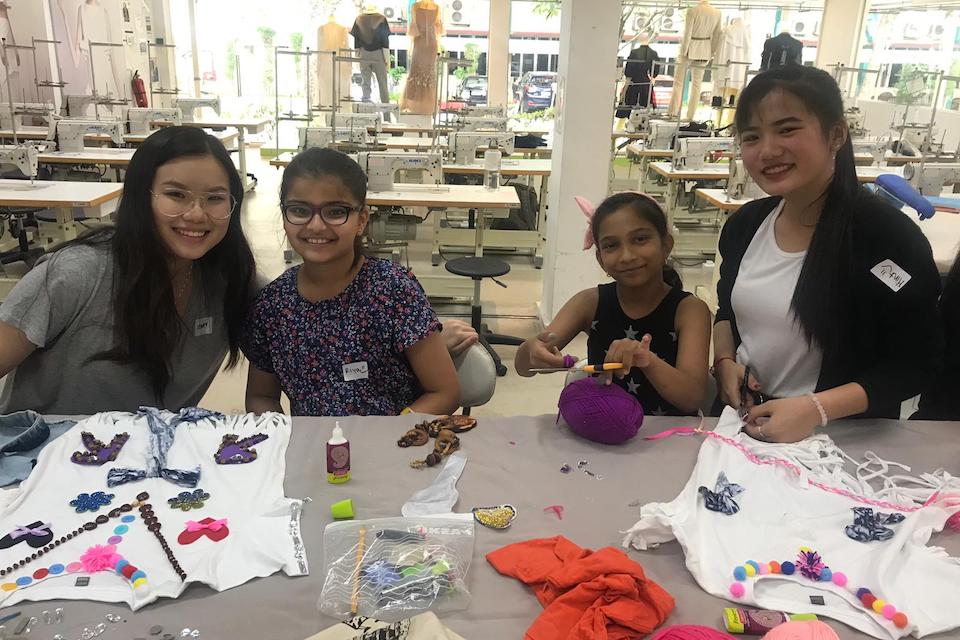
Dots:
pixel 11 62
pixel 639 72
pixel 781 50
pixel 93 25
pixel 426 26
pixel 332 36
pixel 734 48
pixel 371 36
pixel 701 41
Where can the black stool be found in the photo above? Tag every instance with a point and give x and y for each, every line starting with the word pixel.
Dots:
pixel 477 269
pixel 18 227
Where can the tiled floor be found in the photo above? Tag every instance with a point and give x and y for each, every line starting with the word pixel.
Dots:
pixel 508 310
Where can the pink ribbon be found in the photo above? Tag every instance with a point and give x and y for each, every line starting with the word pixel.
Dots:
pixel 216 525
pixel 19 532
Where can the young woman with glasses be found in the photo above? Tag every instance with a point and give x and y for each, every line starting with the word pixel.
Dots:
pixel 141 313
pixel 342 334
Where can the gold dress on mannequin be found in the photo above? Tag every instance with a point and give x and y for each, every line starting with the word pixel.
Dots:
pixel 420 92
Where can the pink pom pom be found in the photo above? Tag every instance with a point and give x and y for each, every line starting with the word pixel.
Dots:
pixel 737 590
pixel 599 412
pixel 764 569
pixel 889 611
pixel 840 579
pixel 99 558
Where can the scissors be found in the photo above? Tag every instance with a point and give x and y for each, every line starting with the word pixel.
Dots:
pixel 747 392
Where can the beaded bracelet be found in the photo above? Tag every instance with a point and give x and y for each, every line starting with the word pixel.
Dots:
pixel 153 525
pixel 823 413
pixel 56 542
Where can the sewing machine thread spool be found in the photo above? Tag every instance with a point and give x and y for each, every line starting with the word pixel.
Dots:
pixel 491 167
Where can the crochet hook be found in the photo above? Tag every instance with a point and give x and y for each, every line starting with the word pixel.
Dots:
pixel 589 368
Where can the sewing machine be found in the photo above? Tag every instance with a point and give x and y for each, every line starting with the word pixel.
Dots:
pixel 464 144
pixel 24 156
pixel 140 118
pixel 739 184
pixel 661 134
pixel 855 119
pixel 323 136
pixel 377 107
pixel 77 106
pixel 931 178
pixel 363 121
pixel 875 147
pixel 639 121
pixel 480 123
pixel 69 132
pixel 23 114
pixel 484 112
pixel 691 153
pixel 382 167
pixel 188 106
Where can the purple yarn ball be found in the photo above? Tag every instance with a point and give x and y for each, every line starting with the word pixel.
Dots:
pixel 602 413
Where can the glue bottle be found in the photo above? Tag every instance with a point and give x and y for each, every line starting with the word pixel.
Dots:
pixel 757 622
pixel 338 457
pixel 491 167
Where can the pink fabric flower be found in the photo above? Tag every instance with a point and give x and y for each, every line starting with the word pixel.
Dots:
pixel 99 558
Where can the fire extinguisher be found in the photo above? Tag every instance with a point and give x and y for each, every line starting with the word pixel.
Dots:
pixel 139 90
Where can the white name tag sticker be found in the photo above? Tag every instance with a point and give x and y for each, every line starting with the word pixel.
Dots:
pixel 355 371
pixel 203 326
pixel 891 274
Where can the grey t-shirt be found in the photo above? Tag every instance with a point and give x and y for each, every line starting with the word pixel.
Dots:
pixel 64 306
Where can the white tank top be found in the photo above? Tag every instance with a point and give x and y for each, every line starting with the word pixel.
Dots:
pixel 771 340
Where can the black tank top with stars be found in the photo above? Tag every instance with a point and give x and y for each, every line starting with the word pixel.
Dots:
pixel 610 323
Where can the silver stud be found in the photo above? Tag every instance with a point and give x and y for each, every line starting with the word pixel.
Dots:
pixel 58 636
pixel 58 615
pixel 46 616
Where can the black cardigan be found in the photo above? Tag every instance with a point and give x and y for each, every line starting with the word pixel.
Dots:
pixel 941 400
pixel 889 342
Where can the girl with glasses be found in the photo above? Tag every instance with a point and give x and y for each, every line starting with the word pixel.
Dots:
pixel 143 312
pixel 342 334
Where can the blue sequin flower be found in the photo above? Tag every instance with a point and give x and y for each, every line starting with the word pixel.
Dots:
pixel 187 500
pixel 91 501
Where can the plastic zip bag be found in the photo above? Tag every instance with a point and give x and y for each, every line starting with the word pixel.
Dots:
pixel 395 568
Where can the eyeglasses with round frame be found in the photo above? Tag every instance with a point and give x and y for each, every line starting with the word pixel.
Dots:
pixel 301 213
pixel 173 203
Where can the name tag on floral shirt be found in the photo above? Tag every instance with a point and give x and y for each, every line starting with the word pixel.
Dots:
pixel 355 371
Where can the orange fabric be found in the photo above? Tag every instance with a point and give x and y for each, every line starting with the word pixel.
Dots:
pixel 586 595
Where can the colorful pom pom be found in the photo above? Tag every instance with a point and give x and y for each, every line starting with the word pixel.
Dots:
pixel 868 599
pixel 764 569
pixel 900 621
pixel 805 549
pixel 862 591
pixel 826 575
pixel 99 558
pixel 774 566
pixel 751 570
pixel 840 579
pixel 878 605
pixel 740 574
pixel 754 564
pixel 787 568
pixel 737 590
pixel 888 611
pixel 139 582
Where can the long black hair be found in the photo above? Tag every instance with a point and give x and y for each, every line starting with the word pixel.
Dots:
pixel 146 323
pixel 646 208
pixel 816 300
pixel 319 162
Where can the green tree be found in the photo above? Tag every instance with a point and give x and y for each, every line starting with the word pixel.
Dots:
pixel 296 43
pixel 266 38
pixel 547 8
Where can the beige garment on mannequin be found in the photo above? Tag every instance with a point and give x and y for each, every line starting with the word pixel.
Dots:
pixel 420 92
pixel 734 47
pixel 332 37
pixel 701 40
